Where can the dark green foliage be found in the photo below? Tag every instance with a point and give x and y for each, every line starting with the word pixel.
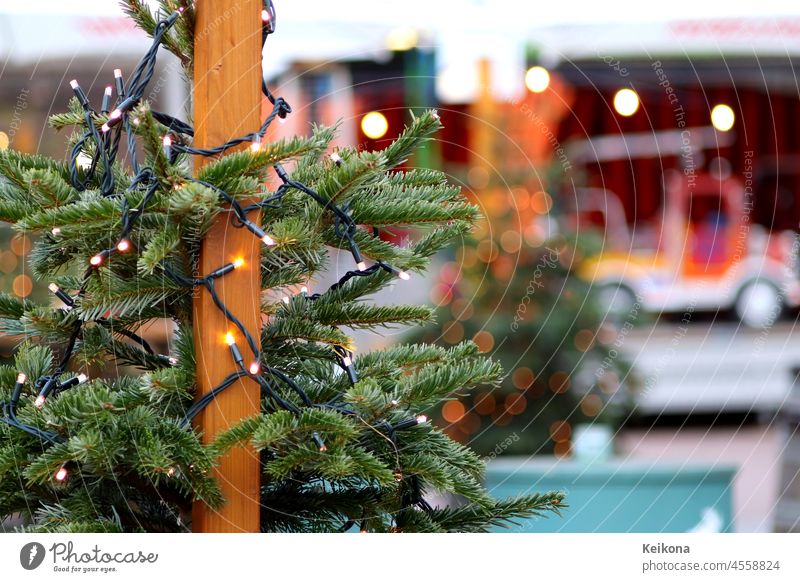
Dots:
pixel 133 466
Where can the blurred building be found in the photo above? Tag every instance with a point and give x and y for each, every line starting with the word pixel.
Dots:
pixel 712 388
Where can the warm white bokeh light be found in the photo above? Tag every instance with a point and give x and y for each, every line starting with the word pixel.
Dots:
pixel 722 117
pixel 374 125
pixel 402 39
pixel 626 102
pixel 537 79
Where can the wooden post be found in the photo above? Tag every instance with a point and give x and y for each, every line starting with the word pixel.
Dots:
pixel 227 99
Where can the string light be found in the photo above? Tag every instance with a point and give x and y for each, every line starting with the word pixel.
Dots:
pixel 411 422
pixel 236 353
pixel 58 292
pixel 167 143
pixel 82 99
pixel 106 150
pixel 106 100
pixel 62 473
pixel 319 442
pixel 119 83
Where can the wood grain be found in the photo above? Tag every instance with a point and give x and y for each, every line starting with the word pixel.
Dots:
pixel 227 99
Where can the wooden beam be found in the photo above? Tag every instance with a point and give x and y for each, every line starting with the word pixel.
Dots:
pixel 227 99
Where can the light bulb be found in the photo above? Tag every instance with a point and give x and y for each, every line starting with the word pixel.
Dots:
pixel 229 339
pixel 116 114
pixel 722 117
pixel 336 158
pixel 537 79
pixel 82 378
pixel 286 300
pixel 39 402
pixel 55 231
pixel 96 260
pixel 170 471
pixel 238 263
pixel 117 73
pixel 362 266
pixel 347 361
pixel 268 240
pixel 304 289
pixel 53 288
pixel 626 102
pixel 73 84
pixel 21 378
pixel 265 16
pixel 404 275
pixel 167 141
pixel 62 474
pixel 256 145
pixel 136 121
pixel 255 368
pixel 84 161
pixel 124 245
pixel 374 125
pixel 173 360
pixel 422 419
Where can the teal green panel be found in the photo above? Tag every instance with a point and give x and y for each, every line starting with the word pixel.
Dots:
pixel 620 496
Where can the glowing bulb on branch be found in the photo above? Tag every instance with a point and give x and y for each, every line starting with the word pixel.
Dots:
pixel 62 474
pixel 21 378
pixel 167 142
pixel 84 161
pixel 39 402
pixel 238 263
pixel 124 245
pixel 96 260
pixel 256 145
pixel 229 339
pixel 362 266
pixel 374 125
pixel 268 240
pixel 254 368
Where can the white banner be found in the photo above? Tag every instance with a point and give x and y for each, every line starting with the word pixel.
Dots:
pixel 388 558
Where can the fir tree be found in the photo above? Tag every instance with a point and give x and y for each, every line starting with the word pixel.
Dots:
pixel 96 432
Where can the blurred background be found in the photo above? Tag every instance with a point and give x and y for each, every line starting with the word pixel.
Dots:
pixel 636 271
